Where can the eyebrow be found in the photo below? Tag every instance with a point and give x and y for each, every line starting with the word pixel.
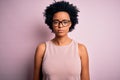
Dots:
pixel 59 20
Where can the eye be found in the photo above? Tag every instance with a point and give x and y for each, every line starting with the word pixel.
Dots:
pixel 55 22
pixel 65 22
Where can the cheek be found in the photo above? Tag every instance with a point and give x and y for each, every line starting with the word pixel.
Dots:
pixel 55 29
pixel 69 27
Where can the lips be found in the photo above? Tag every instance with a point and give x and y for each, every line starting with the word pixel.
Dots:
pixel 60 31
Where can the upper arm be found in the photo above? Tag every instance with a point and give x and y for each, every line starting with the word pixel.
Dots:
pixel 38 60
pixel 84 62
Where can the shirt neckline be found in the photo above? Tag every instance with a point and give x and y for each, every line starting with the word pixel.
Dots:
pixel 61 45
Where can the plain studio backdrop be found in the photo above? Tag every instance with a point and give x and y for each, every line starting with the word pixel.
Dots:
pixel 22 28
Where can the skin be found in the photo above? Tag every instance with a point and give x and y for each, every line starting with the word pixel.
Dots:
pixel 61 38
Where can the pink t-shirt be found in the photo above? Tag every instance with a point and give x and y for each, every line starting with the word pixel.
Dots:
pixel 61 62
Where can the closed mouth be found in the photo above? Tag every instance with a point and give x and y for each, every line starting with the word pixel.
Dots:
pixel 60 31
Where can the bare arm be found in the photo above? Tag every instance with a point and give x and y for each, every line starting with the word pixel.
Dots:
pixel 84 62
pixel 38 61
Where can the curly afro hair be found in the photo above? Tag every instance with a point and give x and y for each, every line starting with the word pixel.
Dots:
pixel 61 6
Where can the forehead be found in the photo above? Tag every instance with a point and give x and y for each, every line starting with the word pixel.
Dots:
pixel 61 15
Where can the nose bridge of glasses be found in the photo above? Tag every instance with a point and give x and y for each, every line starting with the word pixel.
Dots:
pixel 60 23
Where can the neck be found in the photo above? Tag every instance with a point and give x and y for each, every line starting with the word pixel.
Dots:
pixel 62 40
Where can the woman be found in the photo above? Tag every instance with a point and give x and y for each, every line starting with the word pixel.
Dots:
pixel 61 58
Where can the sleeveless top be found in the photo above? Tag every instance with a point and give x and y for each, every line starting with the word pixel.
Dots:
pixel 61 62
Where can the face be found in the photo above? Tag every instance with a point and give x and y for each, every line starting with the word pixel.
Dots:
pixel 61 23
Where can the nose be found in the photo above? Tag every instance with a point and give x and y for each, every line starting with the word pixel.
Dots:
pixel 60 25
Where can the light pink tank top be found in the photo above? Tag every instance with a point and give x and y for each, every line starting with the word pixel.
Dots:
pixel 61 62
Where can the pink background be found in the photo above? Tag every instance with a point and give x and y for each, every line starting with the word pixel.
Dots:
pixel 22 28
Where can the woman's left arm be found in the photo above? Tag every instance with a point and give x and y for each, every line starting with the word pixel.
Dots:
pixel 84 62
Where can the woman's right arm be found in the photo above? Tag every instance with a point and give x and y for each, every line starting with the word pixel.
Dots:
pixel 38 61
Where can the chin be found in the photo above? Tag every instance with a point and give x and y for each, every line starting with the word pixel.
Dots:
pixel 60 34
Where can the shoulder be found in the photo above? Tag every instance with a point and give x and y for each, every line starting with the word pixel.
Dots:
pixel 82 50
pixel 40 49
pixel 41 46
pixel 81 46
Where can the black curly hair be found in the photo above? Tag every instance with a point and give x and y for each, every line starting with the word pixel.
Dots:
pixel 61 6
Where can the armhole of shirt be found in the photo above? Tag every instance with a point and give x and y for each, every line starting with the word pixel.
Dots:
pixel 77 49
pixel 44 56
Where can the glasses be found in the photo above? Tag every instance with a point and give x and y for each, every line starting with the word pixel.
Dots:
pixel 63 22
